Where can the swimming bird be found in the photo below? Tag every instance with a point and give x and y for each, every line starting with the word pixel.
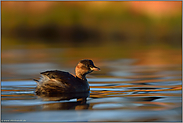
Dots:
pixel 56 82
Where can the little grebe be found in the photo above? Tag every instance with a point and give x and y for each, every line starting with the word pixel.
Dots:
pixel 55 81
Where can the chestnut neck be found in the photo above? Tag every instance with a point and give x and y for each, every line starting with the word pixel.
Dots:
pixel 81 74
pixel 82 77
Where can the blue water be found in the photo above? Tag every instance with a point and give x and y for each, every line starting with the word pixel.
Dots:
pixel 137 93
pixel 112 99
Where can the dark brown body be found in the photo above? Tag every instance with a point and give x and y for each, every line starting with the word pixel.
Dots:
pixel 56 82
pixel 61 82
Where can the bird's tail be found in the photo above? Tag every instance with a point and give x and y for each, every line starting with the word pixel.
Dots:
pixel 36 80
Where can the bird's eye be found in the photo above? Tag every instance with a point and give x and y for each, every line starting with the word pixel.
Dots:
pixel 90 66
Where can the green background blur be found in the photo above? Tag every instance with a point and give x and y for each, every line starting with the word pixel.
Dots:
pixel 148 31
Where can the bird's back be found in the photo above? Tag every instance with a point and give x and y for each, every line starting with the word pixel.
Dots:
pixel 55 81
pixel 60 76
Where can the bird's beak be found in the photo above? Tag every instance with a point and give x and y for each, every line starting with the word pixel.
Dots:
pixel 95 68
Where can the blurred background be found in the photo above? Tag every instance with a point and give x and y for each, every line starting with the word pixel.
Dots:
pixel 37 35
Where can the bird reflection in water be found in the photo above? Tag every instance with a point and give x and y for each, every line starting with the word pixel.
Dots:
pixel 80 104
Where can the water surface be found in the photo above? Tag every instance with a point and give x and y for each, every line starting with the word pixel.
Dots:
pixel 131 93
